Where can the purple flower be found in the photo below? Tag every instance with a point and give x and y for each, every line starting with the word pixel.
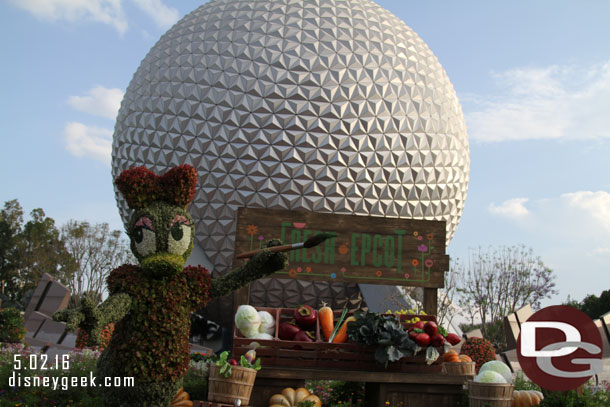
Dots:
pixel 422 248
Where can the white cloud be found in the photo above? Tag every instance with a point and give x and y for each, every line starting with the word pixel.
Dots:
pixel 109 12
pixel 99 101
pixel 103 11
pixel 512 208
pixel 594 204
pixel 161 14
pixel 601 251
pixel 88 141
pixel 557 102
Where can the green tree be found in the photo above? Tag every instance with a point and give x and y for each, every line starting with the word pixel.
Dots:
pixel 11 221
pixel 29 250
pixel 96 250
pixel 501 280
pixel 593 305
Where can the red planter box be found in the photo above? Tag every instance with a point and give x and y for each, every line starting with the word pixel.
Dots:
pixel 321 354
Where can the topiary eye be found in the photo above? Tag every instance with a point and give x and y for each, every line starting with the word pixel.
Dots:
pixel 179 239
pixel 145 240
pixel 177 232
pixel 138 235
pixel 144 237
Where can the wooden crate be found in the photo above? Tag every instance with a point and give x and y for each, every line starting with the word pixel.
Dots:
pixel 321 354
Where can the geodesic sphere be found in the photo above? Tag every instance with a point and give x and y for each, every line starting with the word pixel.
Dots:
pixel 331 106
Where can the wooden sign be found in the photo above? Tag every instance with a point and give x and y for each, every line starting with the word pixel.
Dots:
pixel 364 249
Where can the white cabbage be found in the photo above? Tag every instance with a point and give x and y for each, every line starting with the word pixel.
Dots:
pixel 247 320
pixel 262 335
pixel 489 376
pixel 267 323
pixel 498 367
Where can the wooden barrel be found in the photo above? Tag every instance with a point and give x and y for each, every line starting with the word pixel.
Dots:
pixel 490 394
pixel 227 389
pixel 459 368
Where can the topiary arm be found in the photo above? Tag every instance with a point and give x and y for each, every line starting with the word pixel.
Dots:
pixel 92 318
pixel 72 317
pixel 112 310
pixel 260 265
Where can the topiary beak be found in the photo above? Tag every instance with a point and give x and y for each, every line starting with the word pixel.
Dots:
pixel 162 264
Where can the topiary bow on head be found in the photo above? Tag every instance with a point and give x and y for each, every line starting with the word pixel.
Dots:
pixel 151 303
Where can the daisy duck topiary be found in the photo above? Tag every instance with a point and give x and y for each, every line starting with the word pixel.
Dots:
pixel 150 303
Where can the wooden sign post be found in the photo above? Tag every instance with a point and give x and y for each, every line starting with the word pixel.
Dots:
pixel 363 249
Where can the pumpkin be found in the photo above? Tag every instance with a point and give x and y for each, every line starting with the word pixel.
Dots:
pixel 465 358
pixel 300 394
pixel 450 356
pixel 181 399
pixel 291 397
pixel 526 398
pixel 315 399
pixel 279 399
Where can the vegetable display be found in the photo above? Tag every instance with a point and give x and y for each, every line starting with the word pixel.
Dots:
pixel 494 371
pixel 451 356
pixel 305 316
pixel 498 367
pixel 248 360
pixel 384 331
pixel 434 335
pixel 247 320
pixel 267 325
pixel 341 335
pixel 291 398
pixel 393 337
pixel 527 398
pixel 326 320
pixel 288 330
pixel 181 399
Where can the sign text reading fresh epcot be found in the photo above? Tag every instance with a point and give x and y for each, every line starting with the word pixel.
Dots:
pixel 364 249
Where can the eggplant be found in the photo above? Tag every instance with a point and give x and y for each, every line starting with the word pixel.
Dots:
pixel 287 331
pixel 304 336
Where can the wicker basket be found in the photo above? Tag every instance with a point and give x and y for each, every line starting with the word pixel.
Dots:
pixel 490 394
pixel 459 368
pixel 227 389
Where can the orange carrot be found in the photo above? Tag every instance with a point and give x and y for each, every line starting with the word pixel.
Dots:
pixel 341 336
pixel 327 325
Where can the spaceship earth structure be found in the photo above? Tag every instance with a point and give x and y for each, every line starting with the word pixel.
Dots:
pixel 332 106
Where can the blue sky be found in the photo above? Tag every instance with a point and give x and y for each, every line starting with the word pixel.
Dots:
pixel 533 79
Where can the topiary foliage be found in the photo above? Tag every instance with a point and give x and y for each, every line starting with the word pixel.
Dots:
pixel 11 325
pixel 84 339
pixel 151 303
pixel 480 351
pixel 141 187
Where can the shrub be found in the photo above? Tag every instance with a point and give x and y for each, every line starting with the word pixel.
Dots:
pixel 522 383
pixel 338 393
pixel 480 351
pixel 11 326
pixel 572 399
